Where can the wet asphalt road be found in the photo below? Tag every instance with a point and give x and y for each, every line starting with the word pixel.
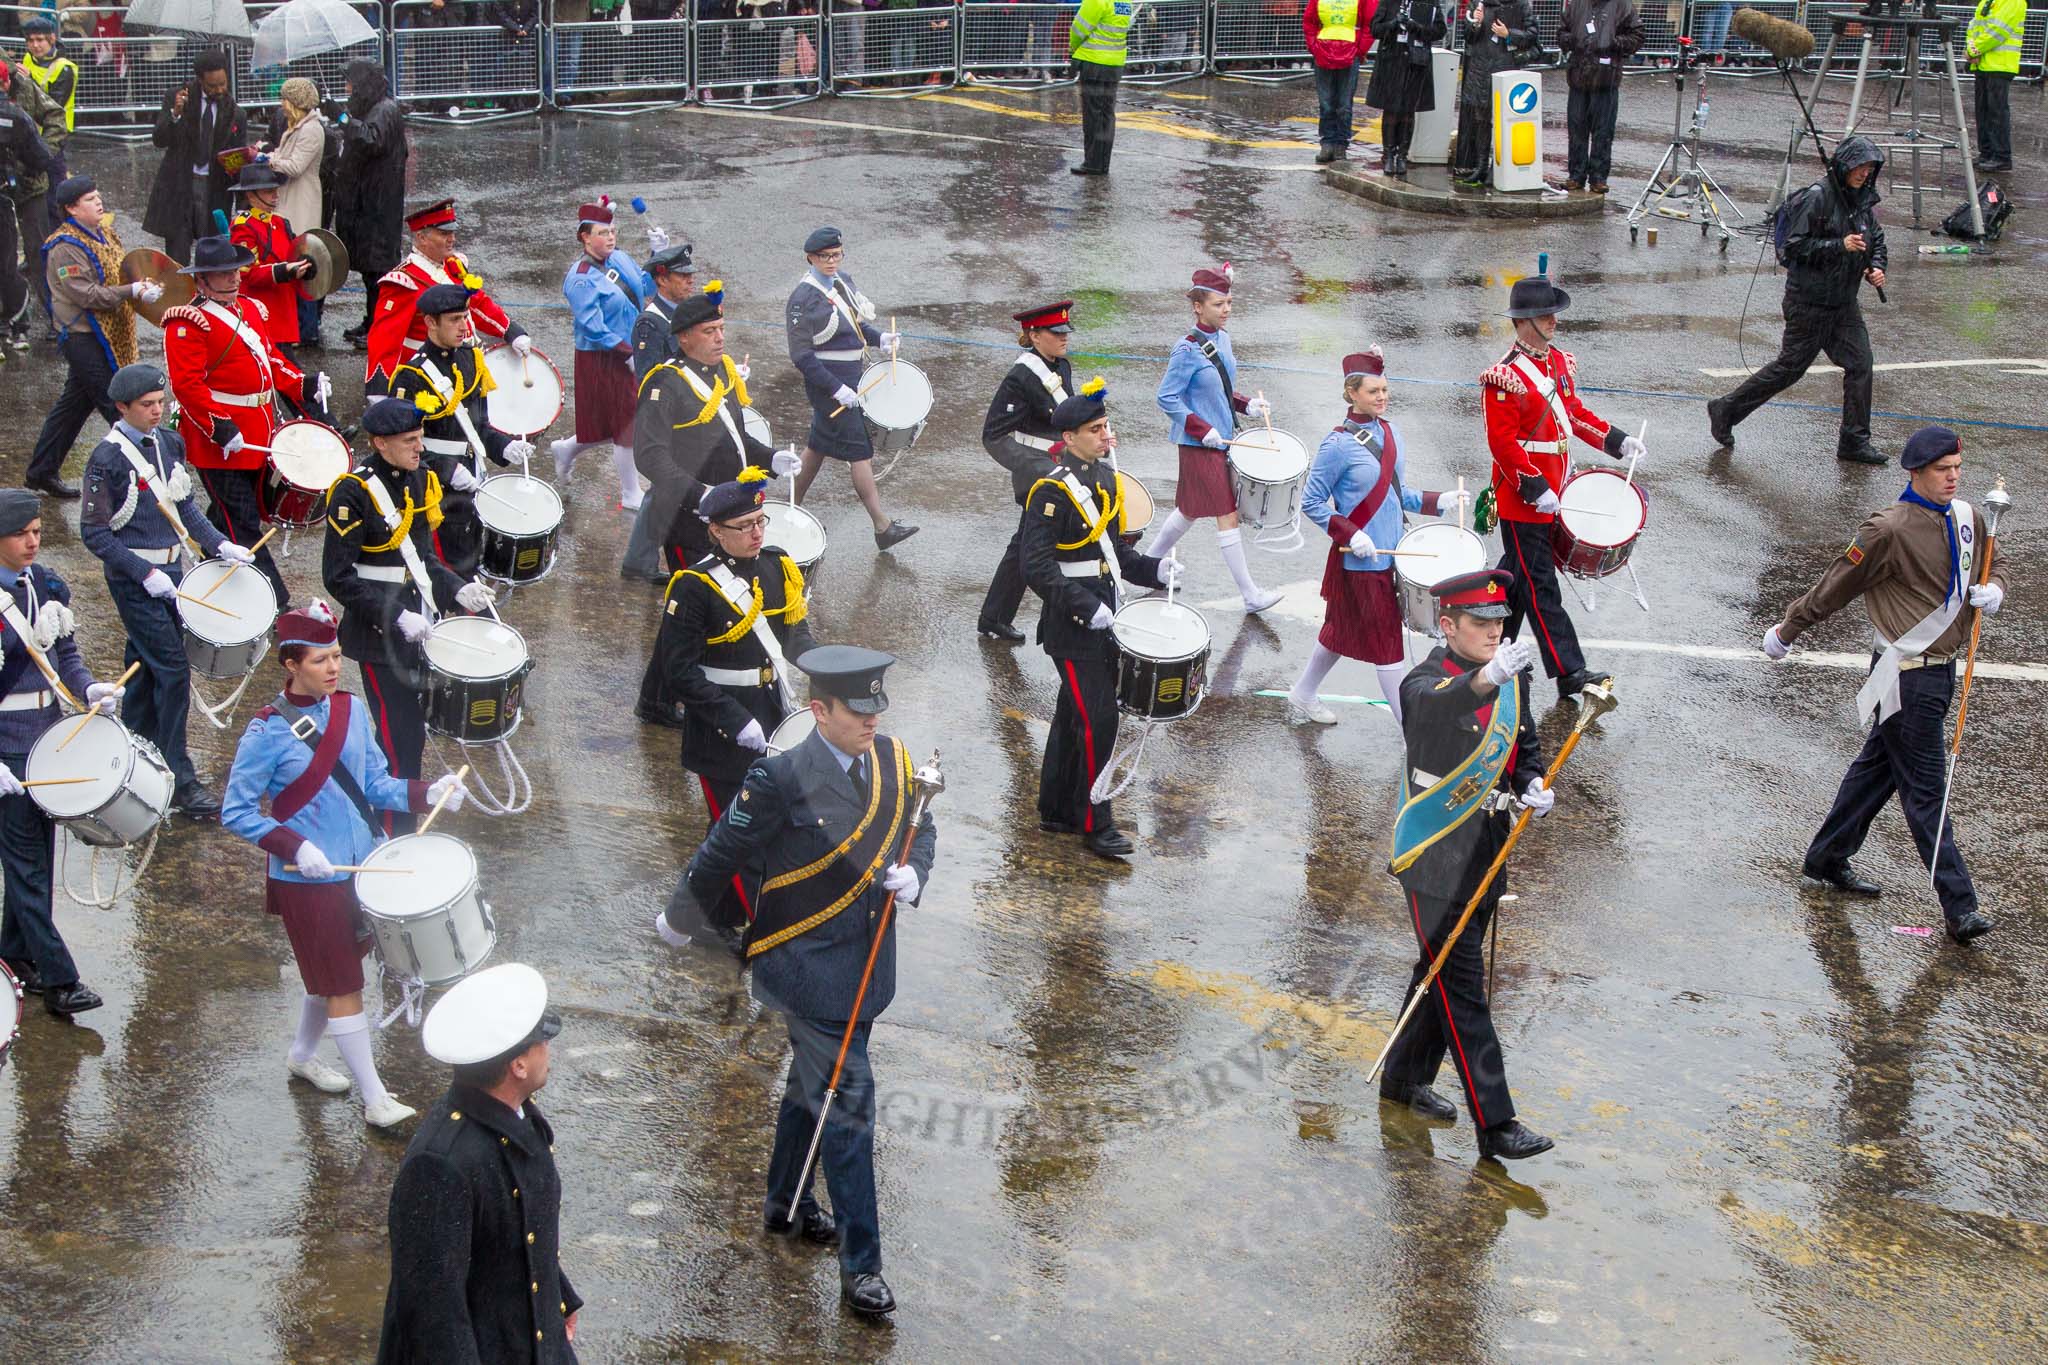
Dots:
pixel 1124 1110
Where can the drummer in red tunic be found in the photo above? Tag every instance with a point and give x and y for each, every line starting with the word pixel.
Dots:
pixel 272 279
pixel 1358 492
pixel 399 329
pixel 1532 412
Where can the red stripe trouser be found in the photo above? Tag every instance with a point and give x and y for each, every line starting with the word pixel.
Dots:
pixel 1454 1017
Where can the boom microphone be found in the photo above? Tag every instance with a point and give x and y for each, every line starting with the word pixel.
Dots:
pixel 1783 39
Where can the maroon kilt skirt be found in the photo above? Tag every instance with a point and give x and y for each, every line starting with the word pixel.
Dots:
pixel 1363 620
pixel 1205 488
pixel 605 395
pixel 326 929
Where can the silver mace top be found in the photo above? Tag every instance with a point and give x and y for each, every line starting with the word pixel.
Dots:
pixel 1995 503
pixel 928 779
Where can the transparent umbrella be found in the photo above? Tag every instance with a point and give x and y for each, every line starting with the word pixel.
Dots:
pixel 218 18
pixel 307 28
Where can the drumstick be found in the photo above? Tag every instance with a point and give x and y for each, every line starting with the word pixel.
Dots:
pixel 202 602
pixel 427 823
pixel 260 543
pixel 1269 412
pixel 863 390
pixel 92 711
pixel 526 369
pixel 1255 445
pixel 483 490
pixel 56 781
pixel 338 867
pixel 1631 476
pixel 892 350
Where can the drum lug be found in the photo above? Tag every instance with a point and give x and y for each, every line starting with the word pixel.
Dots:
pixel 405 937
pixel 490 918
pixel 455 942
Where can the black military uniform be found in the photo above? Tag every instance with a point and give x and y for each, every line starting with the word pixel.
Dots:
pixel 820 831
pixel 653 330
pixel 1444 722
pixel 1064 556
pixel 1019 435
pixel 364 570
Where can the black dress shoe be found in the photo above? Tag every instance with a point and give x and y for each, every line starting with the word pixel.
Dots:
pixel 1717 424
pixel 1510 1141
pixel 1057 826
pixel 1972 924
pixel 55 487
pixel 76 998
pixel 1325 156
pixel 1862 454
pixel 867 1295
pixel 1110 843
pixel 1422 1100
pixel 1843 878
pixel 25 972
pixel 894 535
pixel 1001 630
pixel 1994 166
pixel 1570 683
pixel 653 714
pixel 1087 170
pixel 816 1226
pixel 196 802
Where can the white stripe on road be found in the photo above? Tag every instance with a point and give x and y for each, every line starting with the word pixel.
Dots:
pixel 2010 365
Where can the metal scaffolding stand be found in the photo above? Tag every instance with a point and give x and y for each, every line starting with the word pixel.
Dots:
pixel 1681 188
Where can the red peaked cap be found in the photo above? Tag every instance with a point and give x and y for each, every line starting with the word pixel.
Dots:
pixel 1484 592
pixel 439 214
pixel 1060 315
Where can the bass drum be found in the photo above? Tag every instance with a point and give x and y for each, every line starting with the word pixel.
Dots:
pixel 793 731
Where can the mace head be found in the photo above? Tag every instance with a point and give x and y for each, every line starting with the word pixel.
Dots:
pixel 928 778
pixel 1997 500
pixel 1596 700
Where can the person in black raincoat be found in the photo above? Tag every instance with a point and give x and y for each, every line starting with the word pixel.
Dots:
pixel 197 122
pixel 1402 81
pixel 1499 36
pixel 369 211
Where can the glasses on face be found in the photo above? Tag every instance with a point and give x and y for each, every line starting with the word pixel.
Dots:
pixel 746 527
pixel 831 257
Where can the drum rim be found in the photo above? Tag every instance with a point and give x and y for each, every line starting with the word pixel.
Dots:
pixel 185 621
pixel 792 718
pixel 1152 603
pixel 370 860
pixel 1237 459
pixel 525 664
pixel 561 508
pixel 125 776
pixel 1577 538
pixel 279 448
pixel 1471 537
pixel 867 402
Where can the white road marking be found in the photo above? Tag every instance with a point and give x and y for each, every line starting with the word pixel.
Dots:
pixel 2037 369
pixel 847 123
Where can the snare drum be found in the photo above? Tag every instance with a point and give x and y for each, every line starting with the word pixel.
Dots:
pixel 227 634
pixel 476 671
pixel 1162 665
pixel 1137 508
pixel 793 731
pixel 528 396
pixel 757 426
pixel 521 517
pixel 425 911
pixel 1269 469
pixel 896 401
pixel 1599 515
pixel 1453 550
pixel 128 790
pixel 306 457
pixel 797 534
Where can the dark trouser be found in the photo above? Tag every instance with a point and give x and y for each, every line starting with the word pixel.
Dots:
pixel 13 284
pixel 1454 1018
pixel 310 312
pixel 848 1152
pixel 1334 92
pixel 1083 735
pixel 1396 132
pixel 1098 113
pixel 731 910
pixel 88 372
pixel 198 220
pixel 1589 133
pixel 370 284
pixel 233 506
pixel 28 929
pixel 1839 333
pixel 161 694
pixel 1006 588
pixel 1525 550
pixel 1994 117
pixel 400 721
pixel 651 550
pixel 1907 755
pixel 1473 152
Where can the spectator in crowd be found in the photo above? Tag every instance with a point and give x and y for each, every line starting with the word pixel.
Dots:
pixel 198 121
pixel 515 52
pixel 369 215
pixel 23 158
pixel 55 73
pixel 298 153
pixel 1498 36
pixel 1992 44
pixel 1598 37
pixel 1712 24
pixel 1339 34
pixel 29 189
pixel 1403 81
pixel 757 46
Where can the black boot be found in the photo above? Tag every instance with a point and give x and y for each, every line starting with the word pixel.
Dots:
pixel 1510 1141
pixel 1970 924
pixel 1420 1099
pixel 867 1295
pixel 1843 878
pixel 1717 423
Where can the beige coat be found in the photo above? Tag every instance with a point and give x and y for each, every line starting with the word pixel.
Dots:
pixel 297 158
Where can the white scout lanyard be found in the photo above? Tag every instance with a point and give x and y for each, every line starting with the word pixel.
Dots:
pixel 158 484
pixel 738 596
pixel 444 389
pixel 25 632
pixel 249 339
pixel 840 309
pixel 1878 698
pixel 406 550
pixel 1085 500
pixel 724 413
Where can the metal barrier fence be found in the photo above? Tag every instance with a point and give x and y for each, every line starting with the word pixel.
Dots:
pixel 649 62
pixel 762 63
pixel 1168 43
pixel 894 52
pixel 1258 40
pixel 1016 43
pixel 434 60
pixel 256 87
pixel 124 81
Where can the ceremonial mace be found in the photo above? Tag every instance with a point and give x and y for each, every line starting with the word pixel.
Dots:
pixel 1594 702
pixel 928 782
pixel 1995 503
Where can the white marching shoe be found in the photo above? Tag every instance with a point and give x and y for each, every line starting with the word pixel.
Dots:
pixel 319 1075
pixel 1315 713
pixel 388 1112
pixel 1262 599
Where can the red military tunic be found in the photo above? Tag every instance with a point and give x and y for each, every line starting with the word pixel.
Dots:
pixel 399 330
pixel 270 280
pixel 224 365
pixel 1530 401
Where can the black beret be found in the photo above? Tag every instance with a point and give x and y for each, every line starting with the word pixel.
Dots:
pixel 392 417
pixel 131 382
pixel 18 507
pixel 823 239
pixel 76 188
pixel 723 502
pixel 1929 444
pixel 444 298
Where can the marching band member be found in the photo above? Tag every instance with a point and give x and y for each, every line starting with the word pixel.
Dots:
pixel 35 610
pixel 310 756
pixel 654 343
pixel 271 279
pixel 730 625
pixel 1076 564
pixel 1019 435
pixel 1472 747
pixel 814 827
pixel 446 373
pixel 1360 467
pixel 225 374
pixel 399 329
pixel 1912 564
pixel 605 292
pixel 831 337
pixel 1199 396
pixel 379 565
pixel 1532 412
pixel 141 517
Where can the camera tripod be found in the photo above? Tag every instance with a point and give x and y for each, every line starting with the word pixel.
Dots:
pixel 1681 188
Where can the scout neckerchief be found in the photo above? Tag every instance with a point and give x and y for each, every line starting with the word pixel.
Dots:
pixel 324 764
pixel 1034 362
pixel 1537 376
pixel 838 878
pixel 1428 816
pixel 1877 700
pixel 152 477
pixel 381 496
pixel 1084 502
pixel 737 595
pixel 1200 341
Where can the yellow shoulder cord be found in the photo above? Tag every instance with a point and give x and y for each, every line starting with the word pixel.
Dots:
pixel 1109 514
pixel 739 385
pixel 641 392
pixel 747 619
pixel 433 504
pixel 794 608
pixel 486 382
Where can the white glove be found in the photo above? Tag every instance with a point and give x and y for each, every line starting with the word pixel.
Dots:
pixel 901 878
pixel 1632 448
pixel 159 584
pixel 412 626
pixel 1989 597
pixel 235 443
pixel 1361 545
pixel 1775 648
pixel 1170 572
pixel 890 340
pixel 744 371
pixel 149 291
pixel 785 462
pixel 1258 409
pixel 519 452
pixel 10 785
pixel 234 554
pixel 1102 617
pixel 450 786
pixel 1215 439
pixel 323 389
pixel 1538 798
pixel 474 596
pixel 847 397
pixel 313 863
pixel 462 480
pixel 1514 656
pixel 523 344
pixel 1547 504
pixel 657 240
pixel 104 697
pixel 752 736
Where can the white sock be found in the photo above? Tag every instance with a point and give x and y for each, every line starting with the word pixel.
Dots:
pixel 629 476
pixel 1231 542
pixel 352 1035
pixel 312 1023
pixel 1390 687
pixel 1320 662
pixel 1168 535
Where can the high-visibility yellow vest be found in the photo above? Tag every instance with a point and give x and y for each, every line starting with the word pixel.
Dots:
pixel 46 76
pixel 1994 36
pixel 1339 19
pixel 1100 30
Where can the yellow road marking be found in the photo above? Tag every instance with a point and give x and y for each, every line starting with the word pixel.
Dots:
pixel 1137 120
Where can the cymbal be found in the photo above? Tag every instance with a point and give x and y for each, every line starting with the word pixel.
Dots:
pixel 329 258
pixel 147 263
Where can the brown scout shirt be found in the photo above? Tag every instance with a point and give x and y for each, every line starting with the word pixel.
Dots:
pixel 1899 563
pixel 75 289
